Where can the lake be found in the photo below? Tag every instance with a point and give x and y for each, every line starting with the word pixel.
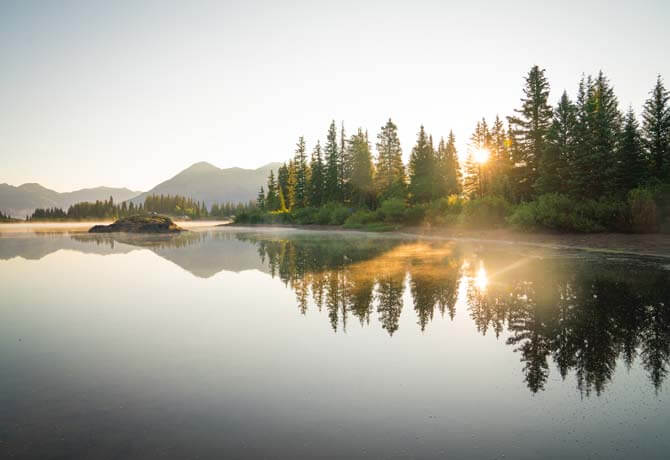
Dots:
pixel 276 343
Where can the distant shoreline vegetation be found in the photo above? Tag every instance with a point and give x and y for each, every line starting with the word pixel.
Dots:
pixel 580 166
pixel 176 206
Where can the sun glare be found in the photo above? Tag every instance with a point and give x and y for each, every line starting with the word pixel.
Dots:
pixel 481 279
pixel 481 156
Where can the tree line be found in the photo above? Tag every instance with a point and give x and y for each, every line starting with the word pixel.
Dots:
pixel 582 149
pixel 173 205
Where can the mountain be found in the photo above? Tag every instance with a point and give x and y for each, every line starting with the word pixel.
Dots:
pixel 22 200
pixel 205 182
pixel 201 181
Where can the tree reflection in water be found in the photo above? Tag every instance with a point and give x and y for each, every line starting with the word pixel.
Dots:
pixel 584 314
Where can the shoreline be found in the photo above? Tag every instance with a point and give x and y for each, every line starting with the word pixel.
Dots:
pixel 634 244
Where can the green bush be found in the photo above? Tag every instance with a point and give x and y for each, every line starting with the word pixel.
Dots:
pixel 360 218
pixel 487 212
pixel 554 211
pixel 392 210
pixel 305 216
pixel 643 211
pixel 445 211
pixel 415 214
pixel 338 214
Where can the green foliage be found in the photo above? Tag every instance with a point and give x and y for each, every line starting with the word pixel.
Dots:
pixel 338 215
pixel 392 210
pixel 486 212
pixel 656 130
pixel 305 216
pixel 422 184
pixel 554 211
pixel 390 169
pixel 360 218
pixel 643 211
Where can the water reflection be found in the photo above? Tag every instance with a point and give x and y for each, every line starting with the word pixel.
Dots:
pixel 581 314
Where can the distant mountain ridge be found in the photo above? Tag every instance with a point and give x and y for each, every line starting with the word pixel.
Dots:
pixel 23 200
pixel 205 182
pixel 201 181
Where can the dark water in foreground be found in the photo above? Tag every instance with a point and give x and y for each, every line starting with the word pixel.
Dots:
pixel 287 344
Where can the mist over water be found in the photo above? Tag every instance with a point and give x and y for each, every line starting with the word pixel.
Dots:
pixel 246 343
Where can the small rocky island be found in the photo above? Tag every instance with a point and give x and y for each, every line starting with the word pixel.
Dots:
pixel 139 224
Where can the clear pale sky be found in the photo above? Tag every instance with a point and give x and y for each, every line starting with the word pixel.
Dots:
pixel 129 93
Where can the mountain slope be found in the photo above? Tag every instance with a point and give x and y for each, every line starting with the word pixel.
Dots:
pixel 22 200
pixel 205 182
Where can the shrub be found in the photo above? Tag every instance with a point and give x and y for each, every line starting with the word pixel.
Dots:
pixel 415 214
pixel 392 210
pixel 643 211
pixel 486 212
pixel 360 218
pixel 338 214
pixel 554 211
pixel 445 210
pixel 305 216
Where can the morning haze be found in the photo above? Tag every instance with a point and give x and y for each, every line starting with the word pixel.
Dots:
pixel 334 230
pixel 128 94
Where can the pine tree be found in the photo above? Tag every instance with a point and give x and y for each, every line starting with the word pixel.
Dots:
pixel 451 167
pixel 345 166
pixel 362 189
pixel 656 130
pixel 272 198
pixel 561 142
pixel 599 126
pixel 316 182
pixel 292 179
pixel 283 185
pixel 530 128
pixel 260 199
pixel 421 170
pixel 332 190
pixel 632 166
pixel 390 171
pixel 472 186
pixel 301 173
pixel 476 172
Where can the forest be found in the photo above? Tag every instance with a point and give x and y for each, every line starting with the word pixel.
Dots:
pixel 172 205
pixel 580 165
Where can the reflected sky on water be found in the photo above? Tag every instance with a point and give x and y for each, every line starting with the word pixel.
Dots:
pixel 245 343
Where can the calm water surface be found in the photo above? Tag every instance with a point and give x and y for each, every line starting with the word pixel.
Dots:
pixel 235 343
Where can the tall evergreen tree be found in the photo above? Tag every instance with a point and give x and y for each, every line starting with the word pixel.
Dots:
pixel 345 167
pixel 301 173
pixel 317 180
pixel 362 188
pixel 283 185
pixel 390 172
pixel 632 167
pixel 272 198
pixel 561 142
pixel 292 179
pixel 477 172
pixel 332 190
pixel 421 170
pixel 451 167
pixel 530 128
pixel 599 126
pixel 656 130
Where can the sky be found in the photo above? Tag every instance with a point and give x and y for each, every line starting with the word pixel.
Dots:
pixel 128 94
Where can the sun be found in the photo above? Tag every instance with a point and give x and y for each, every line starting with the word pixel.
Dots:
pixel 481 156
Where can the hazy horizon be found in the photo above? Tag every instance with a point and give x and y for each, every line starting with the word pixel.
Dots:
pixel 127 95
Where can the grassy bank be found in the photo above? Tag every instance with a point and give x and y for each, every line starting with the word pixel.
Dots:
pixel 643 210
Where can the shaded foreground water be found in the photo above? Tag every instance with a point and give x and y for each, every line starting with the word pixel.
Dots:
pixel 234 343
